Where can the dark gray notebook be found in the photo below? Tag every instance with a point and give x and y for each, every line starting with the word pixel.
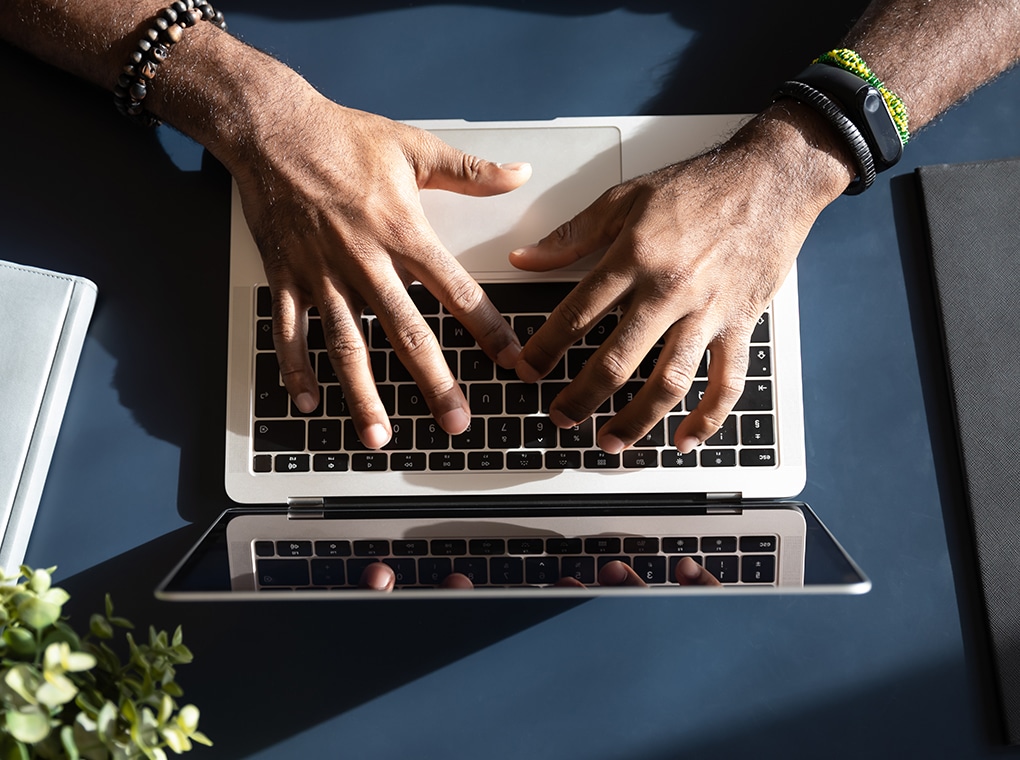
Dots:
pixel 973 223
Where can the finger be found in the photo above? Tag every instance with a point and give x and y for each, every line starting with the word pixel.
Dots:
pixel 609 368
pixel 690 573
pixel 290 338
pixel 727 373
pixel 569 581
pixel 618 573
pixel 456 581
pixel 592 230
pixel 348 354
pixel 377 576
pixel 418 350
pixel 445 168
pixel 665 387
pixel 595 295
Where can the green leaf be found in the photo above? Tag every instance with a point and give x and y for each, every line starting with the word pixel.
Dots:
pixel 38 613
pixel 106 721
pixel 30 724
pixel 187 719
pixel 200 738
pixel 67 740
pixel 58 690
pixel 100 627
pixel 40 581
pixel 24 681
pixel 21 641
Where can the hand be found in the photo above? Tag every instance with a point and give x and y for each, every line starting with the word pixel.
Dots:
pixel 331 197
pixel 694 253
pixel 380 577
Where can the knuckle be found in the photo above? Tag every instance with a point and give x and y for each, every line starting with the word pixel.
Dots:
pixel 672 383
pixel 471 166
pixel 465 296
pixel 612 370
pixel 572 317
pixel 346 351
pixel 412 340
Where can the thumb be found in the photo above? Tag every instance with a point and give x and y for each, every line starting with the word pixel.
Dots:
pixel 573 240
pixel 459 172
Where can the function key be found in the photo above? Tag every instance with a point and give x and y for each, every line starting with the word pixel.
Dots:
pixel 640 545
pixel 265 549
pixel 758 543
pixel 602 545
pixel 294 548
pixel 330 462
pixel 757 457
pixel 563 545
pixel 525 546
pixel 448 546
pixel 291 462
pixel 333 548
pixel 718 544
pixel 680 545
pixel 371 548
pixel 411 547
pixel 718 458
pixel 487 546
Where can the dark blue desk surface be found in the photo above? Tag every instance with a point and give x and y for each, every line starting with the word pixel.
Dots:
pixel 136 474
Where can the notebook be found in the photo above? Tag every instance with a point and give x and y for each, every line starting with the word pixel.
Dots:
pixel 43 319
pixel 514 504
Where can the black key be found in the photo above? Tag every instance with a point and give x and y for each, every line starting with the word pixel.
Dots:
pixel 316 337
pixel 521 398
pixel 486 398
pixel 648 364
pixel 282 572
pixel 626 394
pixel 650 569
pixel 524 460
pixel 294 548
pixel 408 461
pixel 563 460
pixel 372 461
pixel 762 332
pixel 316 412
pixel 448 547
pixel 402 437
pixel 433 570
pixel 640 458
pixel 411 401
pixel 718 544
pixel 680 545
pixel 695 394
pixel 527 325
pixel 541 570
pixel 264 335
pixel 600 460
pixel 656 436
pixel 455 335
pixel 539 433
pixel 265 549
pixel 487 546
pixel 262 463
pixel 280 435
pixel 540 297
pixel 598 334
pixel 291 463
pixel 472 438
pixel 758 543
pixel 475 568
pixel 397 372
pixel 324 369
pixel 674 561
pixel 446 461
pixel 759 361
pixel 379 361
pixel 757 457
pixel 423 299
pixel 371 548
pixel 725 435
pixel 271 399
pixel 328 572
pixel 640 545
pixel 355 567
pixel 410 547
pixel 324 435
pixel 718 458
pixel 475 366
pixel 563 546
pixel 525 546
pixel 330 462
pixel 580 436
pixel 602 545
pixel 757 430
pixel 377 335
pixel 723 568
pixel 581 568
pixel 404 570
pixel 263 301
pixel 506 570
pixel 758 568
pixel 429 436
pixel 549 391
pixel 576 359
pixel 333 548
pixel 602 561
pixel 673 458
pixel 504 432
pixel 336 404
pixel 757 397
pixel 485 460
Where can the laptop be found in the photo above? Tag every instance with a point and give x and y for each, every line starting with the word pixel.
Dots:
pixel 514 504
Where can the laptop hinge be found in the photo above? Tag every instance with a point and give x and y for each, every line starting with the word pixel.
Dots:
pixel 305 509
pixel 724 496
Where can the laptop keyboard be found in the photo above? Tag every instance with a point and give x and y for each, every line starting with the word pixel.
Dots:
pixel 519 561
pixel 509 430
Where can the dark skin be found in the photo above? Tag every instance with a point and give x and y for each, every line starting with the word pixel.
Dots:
pixel 694 251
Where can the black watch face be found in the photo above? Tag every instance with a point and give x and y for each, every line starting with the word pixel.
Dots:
pixel 883 128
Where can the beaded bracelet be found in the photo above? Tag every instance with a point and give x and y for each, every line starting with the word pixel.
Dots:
pixel 834 115
pixel 154 48
pixel 852 62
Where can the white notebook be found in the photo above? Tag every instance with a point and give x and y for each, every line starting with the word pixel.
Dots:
pixel 43 319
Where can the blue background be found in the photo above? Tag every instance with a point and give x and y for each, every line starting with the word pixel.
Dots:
pixel 137 473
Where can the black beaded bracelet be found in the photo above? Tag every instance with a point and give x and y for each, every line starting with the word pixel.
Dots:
pixel 848 130
pixel 152 49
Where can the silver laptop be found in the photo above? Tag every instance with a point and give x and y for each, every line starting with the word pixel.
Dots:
pixel 514 504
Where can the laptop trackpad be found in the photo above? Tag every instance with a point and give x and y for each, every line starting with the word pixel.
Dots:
pixel 571 167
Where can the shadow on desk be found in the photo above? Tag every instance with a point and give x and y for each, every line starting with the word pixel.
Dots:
pixel 309 661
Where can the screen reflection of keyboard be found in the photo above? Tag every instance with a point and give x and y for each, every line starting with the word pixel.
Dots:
pixel 524 560
pixel 509 429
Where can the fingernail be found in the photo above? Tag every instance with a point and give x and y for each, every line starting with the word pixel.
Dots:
pixel 507 358
pixel 305 402
pixel 527 373
pixel 612 574
pixel 375 436
pixel 514 166
pixel 689 569
pixel 523 249
pixel 688 444
pixel 455 421
pixel 560 420
pixel 611 444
